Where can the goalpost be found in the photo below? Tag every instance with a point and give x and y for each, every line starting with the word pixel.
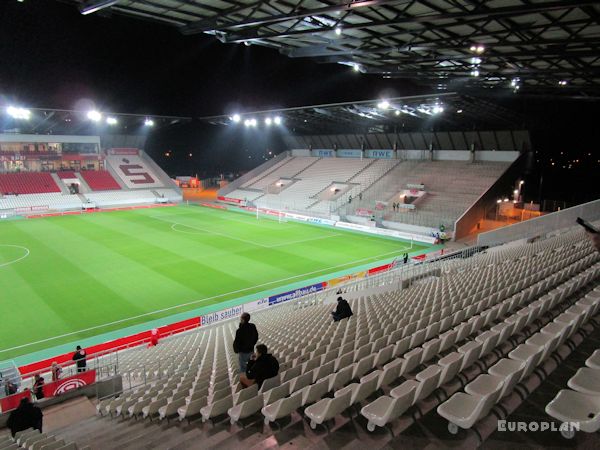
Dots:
pixel 272 214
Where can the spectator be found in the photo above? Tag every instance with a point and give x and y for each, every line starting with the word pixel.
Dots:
pixel 38 387
pixel 80 358
pixel 56 371
pixel 261 366
pixel 405 257
pixel 246 338
pixel 360 195
pixel 10 388
pixel 342 310
pixel 25 416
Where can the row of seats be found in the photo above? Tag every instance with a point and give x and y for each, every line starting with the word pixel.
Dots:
pixel 34 440
pixel 581 403
pixel 27 183
pixel 100 180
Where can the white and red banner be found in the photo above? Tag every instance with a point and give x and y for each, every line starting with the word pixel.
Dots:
pixel 12 401
pixel 237 201
pixel 59 387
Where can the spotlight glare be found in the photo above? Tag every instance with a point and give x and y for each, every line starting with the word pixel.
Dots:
pixel 437 109
pixel 111 121
pixel 562 83
pixel 148 122
pixel 459 111
pixel 480 49
pixel 397 112
pixel 247 122
pixel 18 113
pixel 236 118
pixel 94 116
pixel 268 121
pixel 383 104
pixel 475 73
pixel 277 120
pixel 356 67
pixel 338 31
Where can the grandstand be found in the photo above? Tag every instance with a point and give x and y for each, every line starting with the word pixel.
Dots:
pixel 356 186
pixel 43 182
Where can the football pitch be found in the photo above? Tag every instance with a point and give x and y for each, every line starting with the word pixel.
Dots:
pixel 71 277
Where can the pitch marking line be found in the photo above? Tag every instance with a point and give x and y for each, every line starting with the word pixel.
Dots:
pixel 14 261
pixel 158 311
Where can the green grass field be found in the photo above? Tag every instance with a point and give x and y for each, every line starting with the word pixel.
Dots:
pixel 70 277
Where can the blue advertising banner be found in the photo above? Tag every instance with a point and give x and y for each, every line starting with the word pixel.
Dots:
pixel 291 295
pixel 322 153
pixel 343 153
pixel 381 154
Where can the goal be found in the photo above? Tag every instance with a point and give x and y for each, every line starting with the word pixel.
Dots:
pixel 271 214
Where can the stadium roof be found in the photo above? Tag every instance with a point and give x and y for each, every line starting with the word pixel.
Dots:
pixel 445 44
pixel 448 110
pixel 66 121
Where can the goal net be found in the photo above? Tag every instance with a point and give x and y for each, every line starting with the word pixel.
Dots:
pixel 271 214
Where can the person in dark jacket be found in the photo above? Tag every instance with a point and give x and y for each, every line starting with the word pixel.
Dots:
pixel 38 387
pixel 261 366
pixel 80 358
pixel 246 338
pixel 25 416
pixel 342 311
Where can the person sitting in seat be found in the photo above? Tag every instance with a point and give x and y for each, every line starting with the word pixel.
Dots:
pixel 25 416
pixel 262 365
pixel 342 311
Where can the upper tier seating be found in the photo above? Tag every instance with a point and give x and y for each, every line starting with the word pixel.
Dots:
pixel 27 183
pixel 289 168
pixel 314 179
pixel 100 180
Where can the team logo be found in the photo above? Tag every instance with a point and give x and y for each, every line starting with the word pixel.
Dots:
pixel 69 385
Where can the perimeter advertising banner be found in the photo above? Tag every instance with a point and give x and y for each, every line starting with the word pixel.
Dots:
pixel 291 295
pixel 12 401
pixel 70 383
pixel 223 314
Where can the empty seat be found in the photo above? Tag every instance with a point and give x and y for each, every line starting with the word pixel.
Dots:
pixel 281 408
pixel 586 381
pixel 217 408
pixel 245 409
pixel 327 408
pixel 570 406
pixel 385 409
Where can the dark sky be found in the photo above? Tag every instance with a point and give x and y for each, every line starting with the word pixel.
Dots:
pixel 52 56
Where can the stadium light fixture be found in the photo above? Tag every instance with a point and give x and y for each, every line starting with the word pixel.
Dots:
pixel 562 83
pixel 91 7
pixel 18 113
pixel 338 31
pixel 459 111
pixel 356 67
pixel 384 104
pixel 268 121
pixel 253 122
pixel 397 112
pixel 475 73
pixel 506 199
pixel 521 182
pixel 236 118
pixel 94 116
pixel 499 201
pixel 111 120
pixel 438 109
pixel 277 120
pixel 148 122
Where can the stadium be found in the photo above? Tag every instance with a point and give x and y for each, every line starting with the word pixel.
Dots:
pixel 174 173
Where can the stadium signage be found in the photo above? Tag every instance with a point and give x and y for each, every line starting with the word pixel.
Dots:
pixel 237 201
pixel 291 295
pixel 218 316
pixel 349 153
pixel 256 305
pixel 324 153
pixel 384 232
pixel 309 219
pixel 69 384
pixel 381 154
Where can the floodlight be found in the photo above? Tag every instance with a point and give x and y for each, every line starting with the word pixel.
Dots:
pixel 516 191
pixel 475 73
pixel 111 121
pixel 521 182
pixel 459 111
pixel 437 109
pixel 94 116
pixel 149 122
pixel 506 199
pixel 397 112
pixel 480 49
pixel 94 6
pixel 562 83
pixel 475 60
pixel 247 122
pixel 356 67
pixel 277 120
pixel 338 30
pixel 384 104
pixel 253 122
pixel 499 201
pixel 236 118
pixel 268 121
pixel 18 113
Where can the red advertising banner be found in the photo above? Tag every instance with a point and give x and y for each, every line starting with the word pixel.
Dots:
pixel 70 383
pixel 12 401
pixel 229 199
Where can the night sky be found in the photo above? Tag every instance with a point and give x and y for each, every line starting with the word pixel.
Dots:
pixel 53 57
